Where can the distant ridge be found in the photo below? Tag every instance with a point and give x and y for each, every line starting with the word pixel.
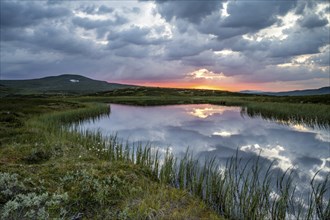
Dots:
pixel 251 92
pixel 320 91
pixel 63 84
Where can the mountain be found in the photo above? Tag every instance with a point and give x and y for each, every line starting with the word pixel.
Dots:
pixel 67 84
pixel 320 91
pixel 251 92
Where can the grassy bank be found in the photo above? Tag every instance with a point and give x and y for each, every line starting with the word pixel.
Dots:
pixel 47 171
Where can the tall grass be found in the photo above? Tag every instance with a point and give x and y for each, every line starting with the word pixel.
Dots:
pixel 239 190
pixel 310 114
pixel 63 120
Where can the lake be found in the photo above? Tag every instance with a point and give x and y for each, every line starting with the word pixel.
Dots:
pixel 212 130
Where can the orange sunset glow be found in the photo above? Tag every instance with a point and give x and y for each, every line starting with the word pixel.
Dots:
pixel 206 79
pixel 199 79
pixel 189 85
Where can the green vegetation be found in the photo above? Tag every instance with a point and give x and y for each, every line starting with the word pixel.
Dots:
pixel 50 170
pixel 310 114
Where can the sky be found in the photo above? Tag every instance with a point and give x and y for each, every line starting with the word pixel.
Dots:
pixel 268 45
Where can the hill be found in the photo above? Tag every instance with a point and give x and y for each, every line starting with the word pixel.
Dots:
pixel 306 92
pixel 63 84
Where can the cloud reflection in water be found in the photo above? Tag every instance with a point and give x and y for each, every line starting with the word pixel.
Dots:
pixel 210 130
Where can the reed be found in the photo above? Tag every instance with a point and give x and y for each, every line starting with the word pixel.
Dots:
pixel 241 190
pixel 93 111
pixel 310 114
pixel 244 190
pixel 237 191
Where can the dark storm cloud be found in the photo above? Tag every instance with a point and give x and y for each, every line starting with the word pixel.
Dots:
pixel 104 10
pixel 245 17
pixel 40 68
pixel 62 40
pixel 253 15
pixel 321 59
pixel 186 50
pixel 95 24
pixel 192 11
pixel 327 10
pixel 136 10
pixel 134 35
pixel 94 9
pixel 301 42
pixel 132 50
pixel 47 38
pixel 205 58
pixel 22 14
pixel 247 46
pixel 313 21
pixel 101 27
pixel 309 161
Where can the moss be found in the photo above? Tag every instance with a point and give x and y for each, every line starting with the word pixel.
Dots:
pixel 38 156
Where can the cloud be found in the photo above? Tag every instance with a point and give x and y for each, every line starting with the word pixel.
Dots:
pixel 135 35
pixel 204 59
pixel 247 14
pixel 57 39
pixel 132 50
pixel 192 11
pixel 104 10
pixel 259 43
pixel 272 153
pixel 204 74
pixel 180 48
pixel 321 59
pixel 88 23
pixel 22 14
pixel 301 42
pixel 244 17
pixel 313 21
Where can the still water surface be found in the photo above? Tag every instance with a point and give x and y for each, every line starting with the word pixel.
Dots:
pixel 211 130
